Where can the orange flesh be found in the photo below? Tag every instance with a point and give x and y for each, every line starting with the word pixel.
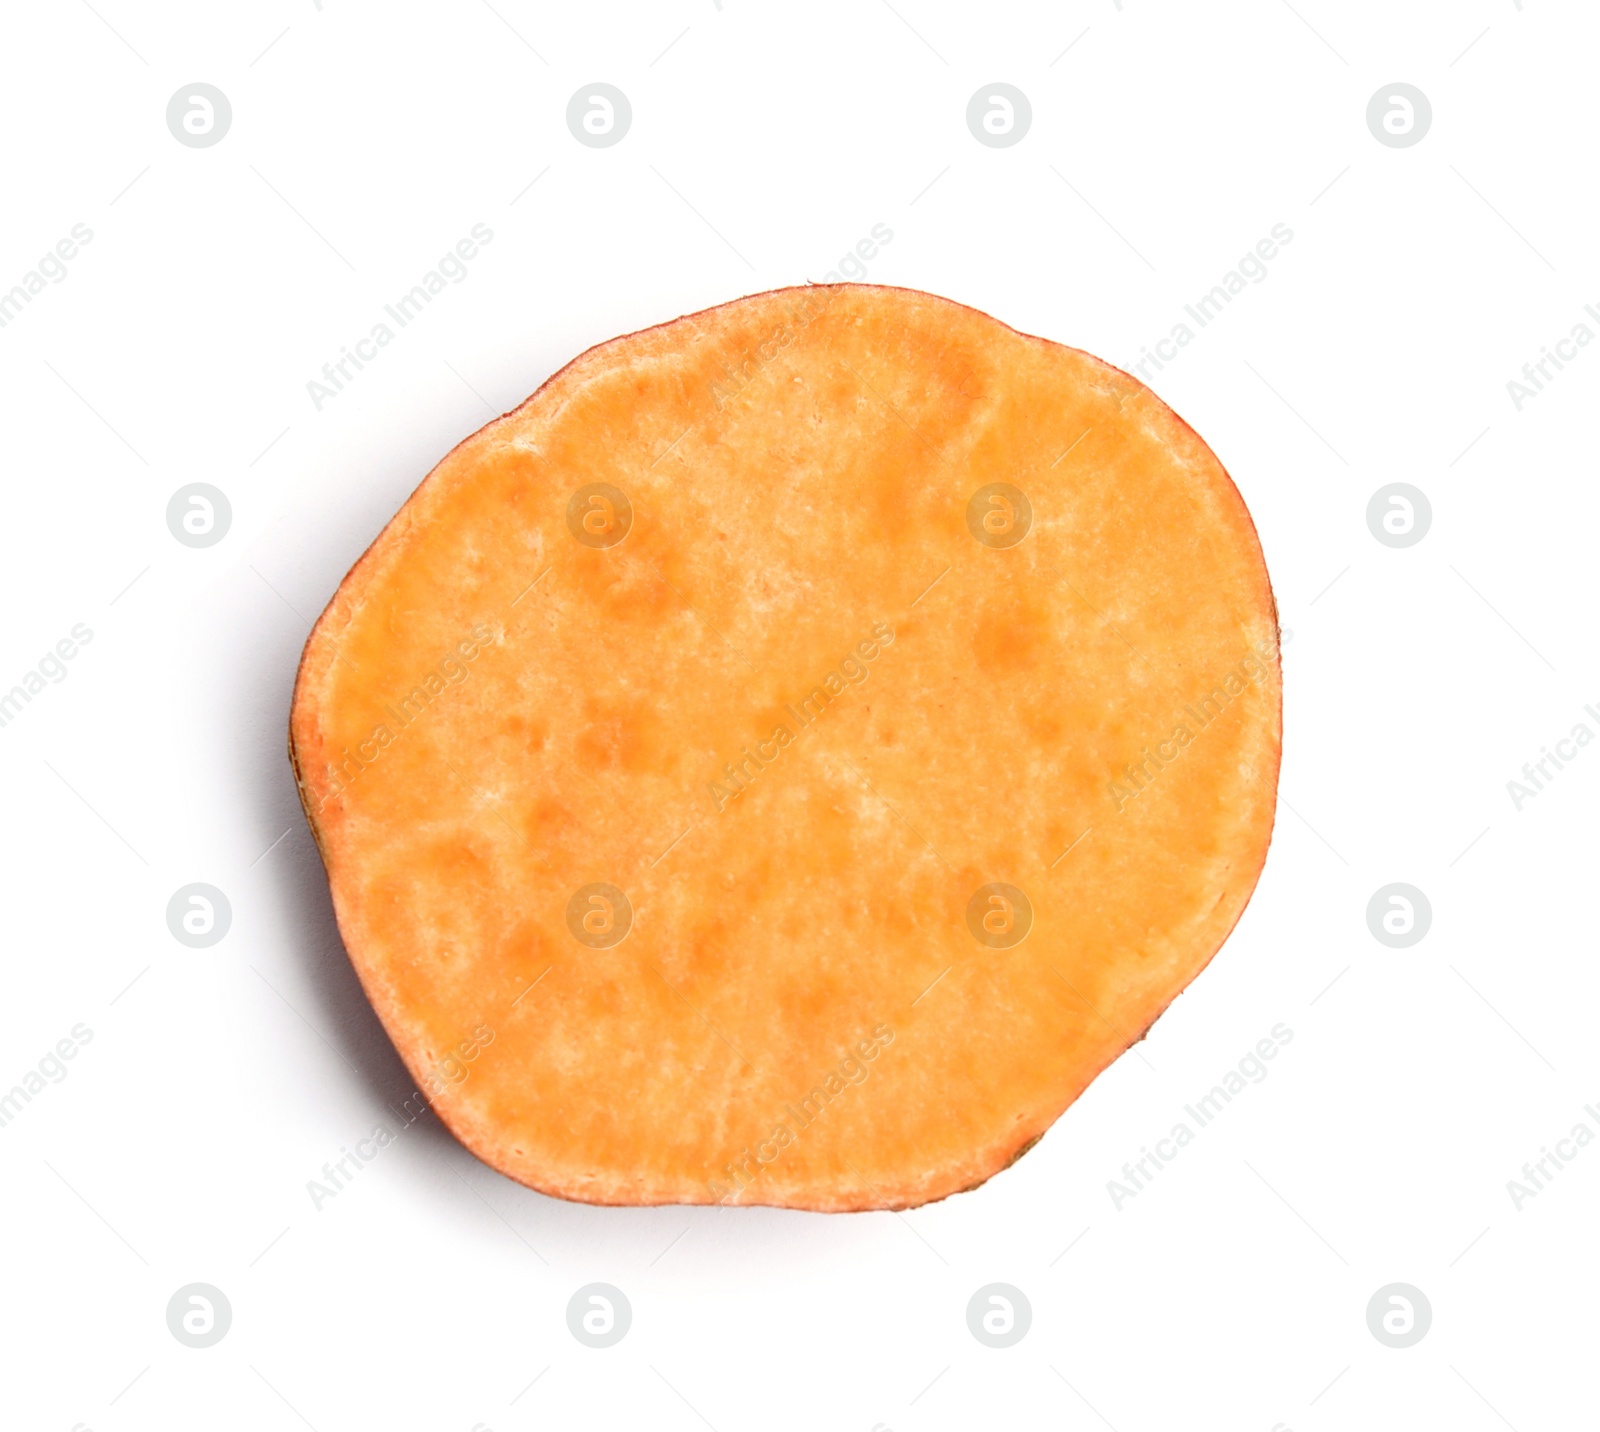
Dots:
pixel 492 715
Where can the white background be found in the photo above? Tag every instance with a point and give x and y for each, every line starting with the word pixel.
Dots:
pixel 1167 139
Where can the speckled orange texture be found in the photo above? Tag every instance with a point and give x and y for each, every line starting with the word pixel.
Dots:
pixel 491 715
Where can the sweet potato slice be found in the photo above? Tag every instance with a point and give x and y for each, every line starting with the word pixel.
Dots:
pixel 790 756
